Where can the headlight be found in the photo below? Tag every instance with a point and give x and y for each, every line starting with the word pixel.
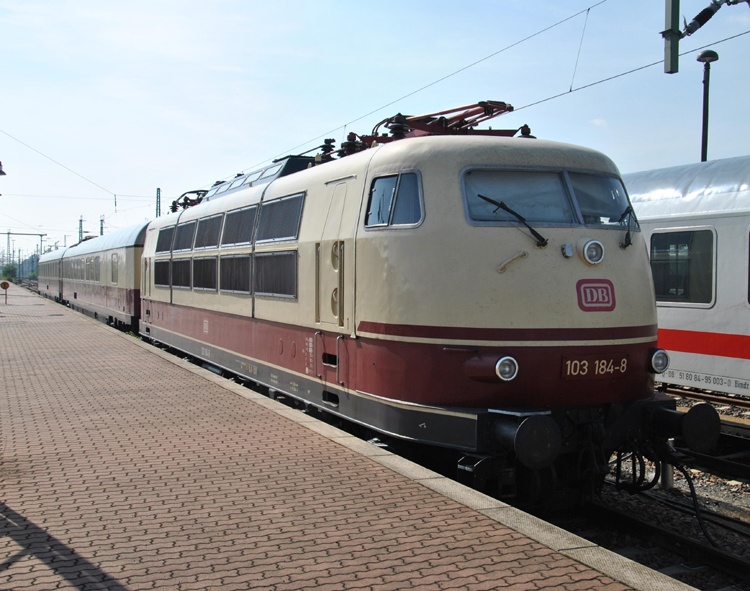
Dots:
pixel 660 361
pixel 593 252
pixel 506 369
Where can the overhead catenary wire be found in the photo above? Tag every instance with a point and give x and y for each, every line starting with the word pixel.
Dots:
pixel 425 87
pixel 416 91
pixel 626 73
pixel 143 198
pixel 56 162
pixel 559 95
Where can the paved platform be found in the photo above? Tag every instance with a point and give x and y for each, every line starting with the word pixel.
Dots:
pixel 124 467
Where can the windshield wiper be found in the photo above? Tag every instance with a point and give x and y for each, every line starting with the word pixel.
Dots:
pixel 629 214
pixel 541 241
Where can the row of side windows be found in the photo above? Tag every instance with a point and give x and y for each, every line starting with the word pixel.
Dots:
pixel 49 270
pixel 394 201
pixel 88 269
pixel 268 273
pixel 279 221
pixel 82 269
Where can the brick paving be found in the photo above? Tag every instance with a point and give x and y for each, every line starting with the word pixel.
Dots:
pixel 122 469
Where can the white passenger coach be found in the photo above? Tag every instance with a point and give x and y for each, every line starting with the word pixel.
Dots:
pixel 696 222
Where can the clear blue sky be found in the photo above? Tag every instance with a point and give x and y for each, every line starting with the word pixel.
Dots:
pixel 179 93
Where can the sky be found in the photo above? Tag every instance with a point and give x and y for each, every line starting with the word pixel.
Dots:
pixel 101 103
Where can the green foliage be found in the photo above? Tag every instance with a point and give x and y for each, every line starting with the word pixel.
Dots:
pixel 33 276
pixel 10 272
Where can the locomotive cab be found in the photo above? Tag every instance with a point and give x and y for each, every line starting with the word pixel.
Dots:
pixel 519 287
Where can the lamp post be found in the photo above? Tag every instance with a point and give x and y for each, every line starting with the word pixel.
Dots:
pixel 706 57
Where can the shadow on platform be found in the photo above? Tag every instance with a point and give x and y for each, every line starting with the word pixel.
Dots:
pixel 61 559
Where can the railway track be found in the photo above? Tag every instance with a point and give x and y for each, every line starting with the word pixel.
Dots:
pixel 29 284
pixel 670 552
pixel 731 456
pixel 718 398
pixel 731 459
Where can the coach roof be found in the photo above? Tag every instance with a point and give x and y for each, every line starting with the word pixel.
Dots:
pixel 715 187
pixel 127 237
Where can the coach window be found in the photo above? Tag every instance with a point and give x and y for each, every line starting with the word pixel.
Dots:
pixel 682 264
pixel 209 230
pixel 164 242
pixel 115 260
pixel 184 235
pixel 181 273
pixel 239 225
pixel 280 219
pixel 161 273
pixel 276 274
pixel 394 201
pixel 235 273
pixel 204 273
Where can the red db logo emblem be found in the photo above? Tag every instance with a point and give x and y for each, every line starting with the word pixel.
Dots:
pixel 596 295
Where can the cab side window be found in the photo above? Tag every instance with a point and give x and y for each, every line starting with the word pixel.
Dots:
pixel 394 201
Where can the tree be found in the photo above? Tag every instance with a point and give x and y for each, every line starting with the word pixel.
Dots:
pixel 10 272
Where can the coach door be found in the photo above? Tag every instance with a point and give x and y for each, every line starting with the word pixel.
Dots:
pixel 330 255
pixel 145 283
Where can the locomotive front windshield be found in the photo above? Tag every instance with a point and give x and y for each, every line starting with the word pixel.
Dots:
pixel 494 196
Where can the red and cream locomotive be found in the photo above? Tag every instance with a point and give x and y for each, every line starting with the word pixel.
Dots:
pixel 461 288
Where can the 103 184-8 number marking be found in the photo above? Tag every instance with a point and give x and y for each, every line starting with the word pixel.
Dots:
pixel 594 367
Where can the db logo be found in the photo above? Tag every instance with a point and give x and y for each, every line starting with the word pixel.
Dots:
pixel 596 295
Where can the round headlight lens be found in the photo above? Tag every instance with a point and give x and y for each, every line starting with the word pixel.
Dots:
pixel 593 252
pixel 506 369
pixel 660 361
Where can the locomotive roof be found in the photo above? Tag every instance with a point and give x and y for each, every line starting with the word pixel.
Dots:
pixel 282 167
pixel 446 154
pixel 495 151
pixel 714 187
